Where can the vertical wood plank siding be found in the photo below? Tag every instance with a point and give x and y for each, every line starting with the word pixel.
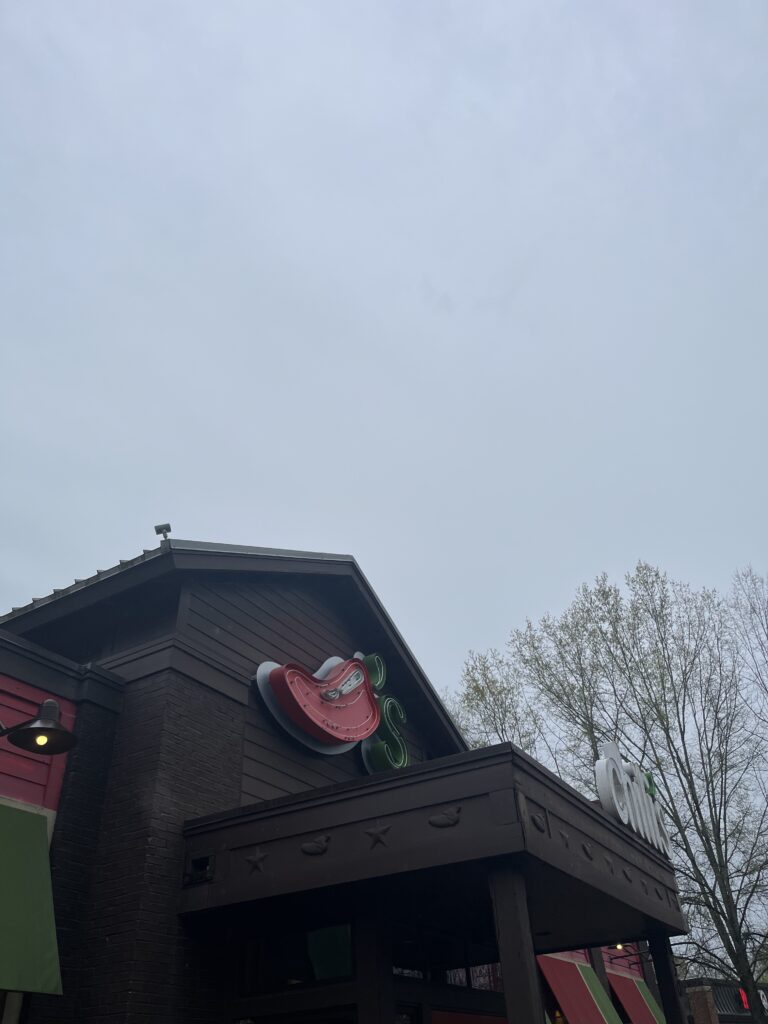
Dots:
pixel 241 624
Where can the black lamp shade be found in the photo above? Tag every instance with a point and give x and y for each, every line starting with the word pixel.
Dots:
pixel 45 734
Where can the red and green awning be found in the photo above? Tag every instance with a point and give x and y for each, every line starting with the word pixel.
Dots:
pixel 577 989
pixel 636 998
pixel 29 955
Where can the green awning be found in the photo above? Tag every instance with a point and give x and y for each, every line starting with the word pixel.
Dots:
pixel 29 955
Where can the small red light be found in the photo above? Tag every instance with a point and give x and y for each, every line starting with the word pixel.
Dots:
pixel 744 1000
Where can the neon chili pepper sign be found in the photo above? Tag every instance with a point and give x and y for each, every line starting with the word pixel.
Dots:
pixel 337 707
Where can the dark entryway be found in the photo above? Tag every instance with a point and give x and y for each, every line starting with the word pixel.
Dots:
pixel 405 889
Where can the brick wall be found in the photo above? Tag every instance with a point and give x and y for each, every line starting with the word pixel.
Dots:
pixel 177 754
pixel 702 1004
pixel 74 853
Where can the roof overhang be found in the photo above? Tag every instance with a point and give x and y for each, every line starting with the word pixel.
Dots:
pixel 38 667
pixel 466 809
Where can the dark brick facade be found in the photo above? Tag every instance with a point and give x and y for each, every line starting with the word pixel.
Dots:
pixel 74 853
pixel 190 739
pixel 74 849
pixel 171 729
pixel 177 754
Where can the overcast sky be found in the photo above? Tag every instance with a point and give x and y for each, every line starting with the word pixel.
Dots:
pixel 475 291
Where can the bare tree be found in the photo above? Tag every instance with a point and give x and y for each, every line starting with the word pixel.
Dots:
pixel 749 606
pixel 492 706
pixel 669 675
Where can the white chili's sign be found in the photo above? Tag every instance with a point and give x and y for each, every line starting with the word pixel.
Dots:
pixel 629 795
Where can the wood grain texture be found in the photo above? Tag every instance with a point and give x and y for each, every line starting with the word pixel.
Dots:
pixel 237 623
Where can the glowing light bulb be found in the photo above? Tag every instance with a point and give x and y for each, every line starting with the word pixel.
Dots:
pixel 619 946
pixel 41 740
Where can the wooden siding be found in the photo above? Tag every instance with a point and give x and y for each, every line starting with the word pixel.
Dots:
pixel 239 624
pixel 214 629
pixel 31 778
pixel 110 626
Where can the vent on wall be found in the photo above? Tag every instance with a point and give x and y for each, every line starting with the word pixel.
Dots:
pixel 199 868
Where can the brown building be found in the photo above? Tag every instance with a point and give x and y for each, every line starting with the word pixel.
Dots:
pixel 720 1001
pixel 270 816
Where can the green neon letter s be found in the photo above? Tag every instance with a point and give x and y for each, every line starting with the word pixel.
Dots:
pixel 386 748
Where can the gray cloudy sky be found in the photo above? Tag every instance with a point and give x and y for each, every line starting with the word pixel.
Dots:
pixel 475 291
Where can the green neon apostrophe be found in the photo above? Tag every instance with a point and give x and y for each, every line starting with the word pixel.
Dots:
pixel 387 749
pixel 377 670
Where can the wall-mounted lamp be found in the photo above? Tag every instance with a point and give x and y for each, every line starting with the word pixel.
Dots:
pixel 42 735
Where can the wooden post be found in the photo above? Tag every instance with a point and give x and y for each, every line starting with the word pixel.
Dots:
pixel 648 972
pixel 598 966
pixel 519 971
pixel 373 971
pixel 667 979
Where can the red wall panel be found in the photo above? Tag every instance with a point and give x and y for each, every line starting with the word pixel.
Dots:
pixel 32 778
pixel 623 961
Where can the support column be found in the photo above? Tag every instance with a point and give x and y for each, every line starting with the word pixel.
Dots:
pixel 373 971
pixel 667 979
pixel 598 966
pixel 648 972
pixel 519 971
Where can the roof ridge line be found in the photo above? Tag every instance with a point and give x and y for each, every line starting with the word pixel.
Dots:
pixel 168 546
pixel 179 544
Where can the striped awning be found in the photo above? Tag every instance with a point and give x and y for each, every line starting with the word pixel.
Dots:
pixel 636 998
pixel 578 991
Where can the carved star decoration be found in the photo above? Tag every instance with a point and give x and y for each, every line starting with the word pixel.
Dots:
pixel 256 860
pixel 378 834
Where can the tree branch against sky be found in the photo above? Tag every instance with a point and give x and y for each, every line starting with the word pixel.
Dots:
pixel 677 678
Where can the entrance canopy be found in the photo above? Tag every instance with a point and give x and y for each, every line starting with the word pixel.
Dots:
pixel 588 879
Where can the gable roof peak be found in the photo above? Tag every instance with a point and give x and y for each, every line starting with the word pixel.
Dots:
pixel 174 546
pixel 245 549
pixel 174 555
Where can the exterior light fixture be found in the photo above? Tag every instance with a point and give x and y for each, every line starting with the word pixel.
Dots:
pixel 42 735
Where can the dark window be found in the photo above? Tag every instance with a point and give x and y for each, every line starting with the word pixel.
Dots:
pixel 456 976
pixel 446 958
pixel 486 977
pixel 282 960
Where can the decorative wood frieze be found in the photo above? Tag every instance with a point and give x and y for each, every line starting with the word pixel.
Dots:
pixel 256 860
pixel 378 835
pixel 316 847
pixel 446 819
